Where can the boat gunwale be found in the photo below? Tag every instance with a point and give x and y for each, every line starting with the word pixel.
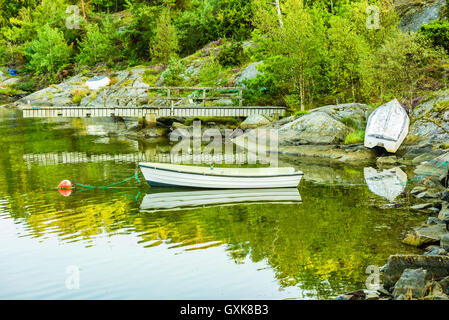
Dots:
pixel 296 173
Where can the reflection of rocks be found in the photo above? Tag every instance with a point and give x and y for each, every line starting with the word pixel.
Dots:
pixel 388 184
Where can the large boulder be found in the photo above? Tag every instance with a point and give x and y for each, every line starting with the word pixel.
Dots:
pixel 314 128
pixel 417 13
pixel 357 113
pixel 254 121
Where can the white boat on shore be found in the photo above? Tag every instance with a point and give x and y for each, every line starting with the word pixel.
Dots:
pixel 387 127
pixel 171 175
pixel 179 200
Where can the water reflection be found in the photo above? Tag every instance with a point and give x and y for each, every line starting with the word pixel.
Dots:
pixel 318 247
pixel 202 198
pixel 389 183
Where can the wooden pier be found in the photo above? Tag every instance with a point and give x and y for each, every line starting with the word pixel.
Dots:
pixel 155 102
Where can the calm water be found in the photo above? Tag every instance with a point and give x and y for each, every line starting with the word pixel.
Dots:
pixel 314 249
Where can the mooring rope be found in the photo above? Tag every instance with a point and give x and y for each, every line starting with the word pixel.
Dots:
pixel 110 186
pixel 445 164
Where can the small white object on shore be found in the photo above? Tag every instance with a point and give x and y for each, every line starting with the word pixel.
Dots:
pixel 97 82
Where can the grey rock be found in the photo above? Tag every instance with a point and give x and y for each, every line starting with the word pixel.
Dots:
pixel 444 283
pixel 433 220
pixel 313 128
pixel 250 72
pixel 254 121
pixel 418 189
pixel 436 252
pixel 421 206
pixel 11 81
pixel 429 194
pixel 444 214
pixel 445 196
pixel 418 15
pixel 436 266
pixel 412 283
pixel 444 241
pixel 435 291
pixel 356 112
pixel 425 235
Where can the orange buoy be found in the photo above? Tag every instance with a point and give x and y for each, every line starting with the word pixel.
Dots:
pixel 65 192
pixel 65 185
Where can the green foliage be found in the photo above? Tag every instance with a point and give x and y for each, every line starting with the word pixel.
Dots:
pixel 394 70
pixel 198 26
pixel 95 47
pixel 50 52
pixel 350 122
pixel 357 136
pixel 231 54
pixel 301 113
pixel 173 73
pixel 210 74
pixel 261 90
pixel 164 45
pixel 438 33
pixel 26 85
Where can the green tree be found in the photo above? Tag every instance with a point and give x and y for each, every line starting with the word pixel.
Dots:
pixel 95 47
pixel 50 52
pixel 164 45
pixel 294 51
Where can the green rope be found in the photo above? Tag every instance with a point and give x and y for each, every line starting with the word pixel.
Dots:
pixel 445 164
pixel 109 186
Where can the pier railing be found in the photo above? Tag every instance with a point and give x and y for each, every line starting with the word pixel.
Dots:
pixel 172 94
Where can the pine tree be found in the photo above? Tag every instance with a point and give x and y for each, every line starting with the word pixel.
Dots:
pixel 165 42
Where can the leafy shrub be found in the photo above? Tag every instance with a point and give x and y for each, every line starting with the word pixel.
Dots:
pixel 50 52
pixel 231 54
pixel 173 75
pixel 26 86
pixel 210 74
pixel 438 33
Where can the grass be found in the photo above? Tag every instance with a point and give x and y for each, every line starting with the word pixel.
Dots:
pixel 357 136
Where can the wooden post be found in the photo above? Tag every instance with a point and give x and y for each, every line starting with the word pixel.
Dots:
pixel 240 98
pixel 204 97
pixel 104 97
pixel 149 120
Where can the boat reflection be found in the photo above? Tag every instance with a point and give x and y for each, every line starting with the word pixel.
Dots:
pixel 189 199
pixel 389 183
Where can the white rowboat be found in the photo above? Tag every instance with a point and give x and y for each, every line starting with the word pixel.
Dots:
pixel 387 127
pixel 171 175
pixel 160 201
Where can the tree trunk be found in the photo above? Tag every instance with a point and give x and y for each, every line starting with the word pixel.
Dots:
pixel 278 7
pixel 82 7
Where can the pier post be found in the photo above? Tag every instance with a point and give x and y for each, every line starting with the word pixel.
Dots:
pixel 149 121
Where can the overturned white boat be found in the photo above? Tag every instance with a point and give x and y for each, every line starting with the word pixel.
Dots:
pixel 387 126
pixel 159 201
pixel 165 174
pixel 388 184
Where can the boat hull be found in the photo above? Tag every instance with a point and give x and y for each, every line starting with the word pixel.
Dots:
pixel 387 127
pixel 171 178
